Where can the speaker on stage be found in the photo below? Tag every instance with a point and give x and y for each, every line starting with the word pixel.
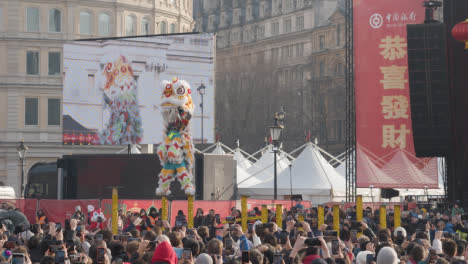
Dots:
pixel 429 90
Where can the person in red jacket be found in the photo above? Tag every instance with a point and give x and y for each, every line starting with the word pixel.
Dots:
pixel 164 254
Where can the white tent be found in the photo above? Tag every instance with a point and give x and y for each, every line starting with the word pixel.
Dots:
pixel 311 176
pixel 218 149
pixel 242 162
pixel 261 172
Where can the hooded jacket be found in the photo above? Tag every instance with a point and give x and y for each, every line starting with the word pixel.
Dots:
pixel 164 253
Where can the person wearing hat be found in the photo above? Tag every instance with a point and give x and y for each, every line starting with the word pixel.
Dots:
pixel 457 210
pixel 78 215
pixel 152 218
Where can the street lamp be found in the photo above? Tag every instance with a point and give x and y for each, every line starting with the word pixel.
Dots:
pixel 275 133
pixel 22 149
pixel 201 91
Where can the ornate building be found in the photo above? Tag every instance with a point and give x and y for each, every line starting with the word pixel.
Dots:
pixel 273 53
pixel 31 37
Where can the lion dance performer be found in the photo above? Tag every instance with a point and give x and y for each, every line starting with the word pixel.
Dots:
pixel 120 96
pixel 176 151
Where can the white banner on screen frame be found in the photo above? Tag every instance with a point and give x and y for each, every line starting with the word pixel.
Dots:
pixel 153 59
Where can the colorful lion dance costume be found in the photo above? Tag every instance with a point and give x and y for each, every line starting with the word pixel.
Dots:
pixel 176 151
pixel 120 95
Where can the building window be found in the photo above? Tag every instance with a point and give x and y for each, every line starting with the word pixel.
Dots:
pixel 32 17
pixel 299 49
pixel 339 69
pixel 104 24
pixel 300 23
pixel 54 63
pixel 32 63
pixel 144 27
pixel 163 27
pixel 322 69
pixel 338 35
pixel 85 23
pixel 322 42
pixel 131 25
pixel 31 111
pixel 287 25
pixel 53 112
pixel 291 50
pixel 91 82
pixel 274 28
pixel 55 20
pixel 172 28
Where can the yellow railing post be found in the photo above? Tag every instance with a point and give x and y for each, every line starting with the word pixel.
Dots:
pixel 383 216
pixel 359 208
pixel 190 211
pixel 264 214
pixel 336 218
pixel 321 216
pixel 244 213
pixel 279 215
pixel 115 210
pixel 397 216
pixel 164 208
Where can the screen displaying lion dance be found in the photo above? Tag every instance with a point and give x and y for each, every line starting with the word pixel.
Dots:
pixel 176 150
pixel 120 96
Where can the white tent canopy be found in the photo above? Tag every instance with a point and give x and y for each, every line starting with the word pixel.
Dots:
pixel 261 172
pixel 311 176
pixel 242 162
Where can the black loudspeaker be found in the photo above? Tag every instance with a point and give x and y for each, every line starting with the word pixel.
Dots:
pixel 389 193
pixel 199 179
pixel 429 88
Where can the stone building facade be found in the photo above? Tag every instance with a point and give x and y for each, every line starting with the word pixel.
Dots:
pixel 31 37
pixel 273 53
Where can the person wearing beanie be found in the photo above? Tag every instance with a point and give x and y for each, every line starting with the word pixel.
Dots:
pixel 78 215
pixel 204 259
pixel 387 255
pixel 164 253
pixel 361 257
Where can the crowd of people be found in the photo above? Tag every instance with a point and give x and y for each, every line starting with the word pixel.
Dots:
pixel 426 236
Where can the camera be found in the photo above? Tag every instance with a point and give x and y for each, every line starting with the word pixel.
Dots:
pixel 330 233
pixel 313 242
pixel 230 219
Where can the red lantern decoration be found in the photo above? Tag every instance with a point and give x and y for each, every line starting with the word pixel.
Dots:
pixel 73 138
pixel 89 139
pixel 460 32
pixel 95 139
pixel 66 138
pixel 81 138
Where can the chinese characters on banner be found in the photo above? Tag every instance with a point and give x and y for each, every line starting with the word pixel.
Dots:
pixel 383 114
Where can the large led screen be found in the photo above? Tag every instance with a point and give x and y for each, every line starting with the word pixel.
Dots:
pixel 112 87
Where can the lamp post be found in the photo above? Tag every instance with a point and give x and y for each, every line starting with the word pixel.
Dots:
pixel 22 149
pixel 201 91
pixel 275 133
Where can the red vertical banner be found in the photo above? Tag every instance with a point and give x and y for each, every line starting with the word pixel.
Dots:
pixel 385 154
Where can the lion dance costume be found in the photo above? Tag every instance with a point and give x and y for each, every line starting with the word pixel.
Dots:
pixel 176 151
pixel 120 96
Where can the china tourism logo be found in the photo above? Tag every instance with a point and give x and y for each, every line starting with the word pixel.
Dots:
pixel 376 21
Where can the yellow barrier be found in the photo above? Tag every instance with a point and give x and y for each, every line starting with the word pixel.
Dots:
pixel 383 216
pixel 279 215
pixel 264 214
pixel 244 213
pixel 321 215
pixel 397 216
pixel 300 218
pixel 164 208
pixel 190 211
pixel 359 208
pixel 115 210
pixel 336 218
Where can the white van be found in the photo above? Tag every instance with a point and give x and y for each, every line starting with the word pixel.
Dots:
pixel 7 192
